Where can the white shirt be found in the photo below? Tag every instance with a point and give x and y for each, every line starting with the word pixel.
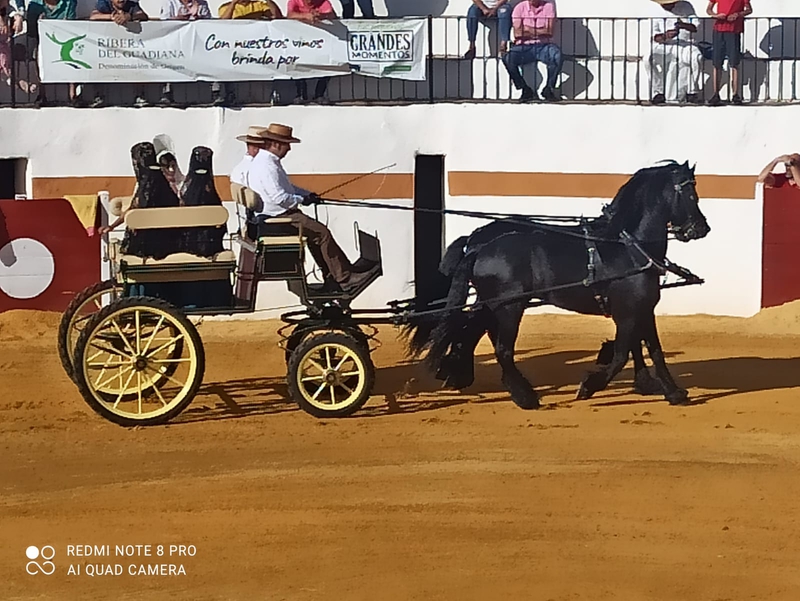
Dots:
pixel 239 173
pixel 265 175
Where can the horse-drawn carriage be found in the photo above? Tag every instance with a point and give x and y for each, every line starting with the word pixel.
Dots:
pixel 131 348
pixel 136 357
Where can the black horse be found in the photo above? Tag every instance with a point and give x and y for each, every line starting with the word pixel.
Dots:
pixel 610 265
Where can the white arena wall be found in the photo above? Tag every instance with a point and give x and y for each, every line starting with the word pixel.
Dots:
pixel 563 145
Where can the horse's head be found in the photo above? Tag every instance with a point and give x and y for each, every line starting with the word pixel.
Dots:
pixel 686 220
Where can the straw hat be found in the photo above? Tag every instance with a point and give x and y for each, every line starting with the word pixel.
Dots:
pixel 279 133
pixel 253 135
pixel 665 1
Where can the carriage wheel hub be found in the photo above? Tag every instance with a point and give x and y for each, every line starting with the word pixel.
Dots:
pixel 332 377
pixel 140 363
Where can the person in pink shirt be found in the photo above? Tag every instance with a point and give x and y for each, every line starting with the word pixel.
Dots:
pixel 533 22
pixel 312 12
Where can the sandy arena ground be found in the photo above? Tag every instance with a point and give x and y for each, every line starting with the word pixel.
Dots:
pixel 425 494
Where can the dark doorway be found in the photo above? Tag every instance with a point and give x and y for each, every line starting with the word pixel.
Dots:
pixel 428 226
pixel 8 178
pixel 12 177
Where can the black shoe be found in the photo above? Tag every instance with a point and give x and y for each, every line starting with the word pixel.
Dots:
pixel 528 95
pixel 692 98
pixel 737 99
pixel 469 54
pixel 166 99
pixel 550 95
pixel 658 99
pixel 714 100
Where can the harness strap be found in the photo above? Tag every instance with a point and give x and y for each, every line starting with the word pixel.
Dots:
pixel 595 261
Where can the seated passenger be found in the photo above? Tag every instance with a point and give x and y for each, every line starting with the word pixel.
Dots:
pixel 779 180
pixel 152 191
pixel 261 171
pixel 199 190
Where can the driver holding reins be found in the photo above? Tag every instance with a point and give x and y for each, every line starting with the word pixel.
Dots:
pixel 261 171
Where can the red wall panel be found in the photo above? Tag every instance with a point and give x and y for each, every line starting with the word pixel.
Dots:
pixel 53 230
pixel 781 247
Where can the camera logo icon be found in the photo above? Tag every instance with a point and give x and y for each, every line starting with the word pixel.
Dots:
pixel 46 554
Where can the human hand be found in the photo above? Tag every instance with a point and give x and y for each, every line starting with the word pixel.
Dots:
pixel 120 18
pixel 17 24
pixel 733 16
pixel 492 13
pixel 312 199
pixel 3 27
pixel 103 230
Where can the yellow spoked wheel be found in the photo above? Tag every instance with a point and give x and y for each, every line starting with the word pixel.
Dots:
pixel 85 304
pixel 139 361
pixel 330 375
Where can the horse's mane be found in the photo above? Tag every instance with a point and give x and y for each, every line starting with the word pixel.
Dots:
pixel 628 202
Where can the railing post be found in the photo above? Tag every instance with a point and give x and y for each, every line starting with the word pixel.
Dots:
pixel 430 59
pixel 13 66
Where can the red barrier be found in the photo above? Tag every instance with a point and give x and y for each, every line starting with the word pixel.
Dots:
pixel 46 255
pixel 781 247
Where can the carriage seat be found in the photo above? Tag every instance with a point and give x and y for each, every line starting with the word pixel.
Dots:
pixel 278 231
pixel 180 266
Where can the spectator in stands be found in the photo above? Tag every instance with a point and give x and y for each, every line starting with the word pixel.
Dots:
pixel 674 61
pixel 184 10
pixel 259 10
pixel 10 24
pixel 778 180
pixel 64 10
pixel 482 11
pixel 121 12
pixel 349 9
pixel 728 29
pixel 312 12
pixel 533 22
pixel 264 10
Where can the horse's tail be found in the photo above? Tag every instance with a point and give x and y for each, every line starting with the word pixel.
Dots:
pixel 435 333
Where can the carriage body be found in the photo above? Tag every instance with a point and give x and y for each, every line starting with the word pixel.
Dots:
pixel 137 358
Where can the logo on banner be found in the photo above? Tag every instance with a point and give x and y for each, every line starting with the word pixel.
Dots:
pixel 382 46
pixel 67 48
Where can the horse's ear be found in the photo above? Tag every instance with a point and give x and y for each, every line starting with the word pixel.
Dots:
pixel 693 167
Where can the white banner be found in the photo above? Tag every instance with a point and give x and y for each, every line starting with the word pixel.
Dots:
pixel 216 50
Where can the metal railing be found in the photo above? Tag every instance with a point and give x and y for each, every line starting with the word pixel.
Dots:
pixel 605 60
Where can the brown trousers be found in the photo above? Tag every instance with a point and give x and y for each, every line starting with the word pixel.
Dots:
pixel 326 252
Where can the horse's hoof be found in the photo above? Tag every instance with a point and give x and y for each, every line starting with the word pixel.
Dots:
pixel 647 385
pixel 679 397
pixel 584 393
pixel 460 382
pixel 528 402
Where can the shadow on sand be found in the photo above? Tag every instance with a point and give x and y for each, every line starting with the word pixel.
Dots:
pixel 407 388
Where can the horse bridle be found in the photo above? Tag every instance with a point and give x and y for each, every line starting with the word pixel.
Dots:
pixel 686 229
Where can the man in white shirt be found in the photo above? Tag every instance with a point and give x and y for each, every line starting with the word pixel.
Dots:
pixel 261 171
pixel 673 63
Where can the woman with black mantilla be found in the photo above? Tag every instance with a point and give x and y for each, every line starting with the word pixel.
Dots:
pixel 199 190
